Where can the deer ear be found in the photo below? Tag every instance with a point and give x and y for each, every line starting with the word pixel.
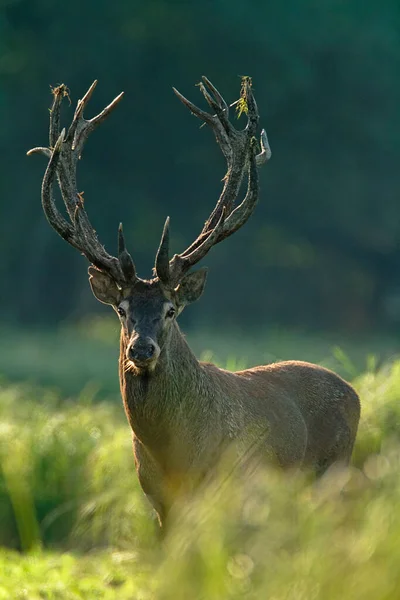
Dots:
pixel 104 287
pixel 191 287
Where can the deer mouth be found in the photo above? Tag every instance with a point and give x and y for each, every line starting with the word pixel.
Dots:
pixel 144 364
pixel 143 368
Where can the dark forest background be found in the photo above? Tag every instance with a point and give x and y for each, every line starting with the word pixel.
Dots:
pixel 323 249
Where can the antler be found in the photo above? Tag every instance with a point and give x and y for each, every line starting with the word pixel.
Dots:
pixel 64 152
pixel 240 151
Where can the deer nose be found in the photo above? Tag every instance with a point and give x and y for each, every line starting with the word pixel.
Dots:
pixel 141 352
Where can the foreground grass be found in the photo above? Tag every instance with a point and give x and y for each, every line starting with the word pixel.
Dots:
pixel 66 472
pixel 70 499
pixel 281 541
pixel 55 576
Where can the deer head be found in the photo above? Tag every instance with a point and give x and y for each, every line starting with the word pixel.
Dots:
pixel 148 308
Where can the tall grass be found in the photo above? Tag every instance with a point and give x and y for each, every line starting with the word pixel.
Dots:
pixel 66 472
pixel 67 483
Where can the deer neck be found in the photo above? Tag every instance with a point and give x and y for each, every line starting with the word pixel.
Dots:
pixel 157 401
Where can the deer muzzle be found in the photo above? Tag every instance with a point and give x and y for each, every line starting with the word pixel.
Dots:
pixel 143 352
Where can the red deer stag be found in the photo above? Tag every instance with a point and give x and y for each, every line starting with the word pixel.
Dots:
pixel 184 413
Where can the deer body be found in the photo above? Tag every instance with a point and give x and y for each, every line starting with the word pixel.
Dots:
pixel 185 414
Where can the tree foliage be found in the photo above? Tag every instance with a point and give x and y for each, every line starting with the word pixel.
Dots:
pixel 323 247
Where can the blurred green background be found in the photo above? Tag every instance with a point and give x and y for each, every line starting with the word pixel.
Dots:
pixel 313 275
pixel 322 250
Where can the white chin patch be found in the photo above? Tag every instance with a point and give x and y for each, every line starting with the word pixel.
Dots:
pixel 145 367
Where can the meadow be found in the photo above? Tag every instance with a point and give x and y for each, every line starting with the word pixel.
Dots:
pixel 74 523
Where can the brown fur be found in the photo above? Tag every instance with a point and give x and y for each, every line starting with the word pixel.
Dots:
pixel 186 413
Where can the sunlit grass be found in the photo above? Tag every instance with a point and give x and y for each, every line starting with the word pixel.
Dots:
pixel 62 465
pixel 65 576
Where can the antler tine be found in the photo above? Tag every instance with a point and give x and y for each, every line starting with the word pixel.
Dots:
pixel 59 93
pixel 216 102
pixel 162 257
pixel 63 161
pixel 198 112
pixel 219 122
pixel 125 259
pixel 54 130
pixel 54 217
pixel 78 115
pixel 239 149
pixel 80 127
pixel 220 100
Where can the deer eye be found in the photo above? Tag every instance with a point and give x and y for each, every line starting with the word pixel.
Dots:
pixel 170 313
pixel 121 311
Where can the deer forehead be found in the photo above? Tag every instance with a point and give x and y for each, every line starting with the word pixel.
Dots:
pixel 146 303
